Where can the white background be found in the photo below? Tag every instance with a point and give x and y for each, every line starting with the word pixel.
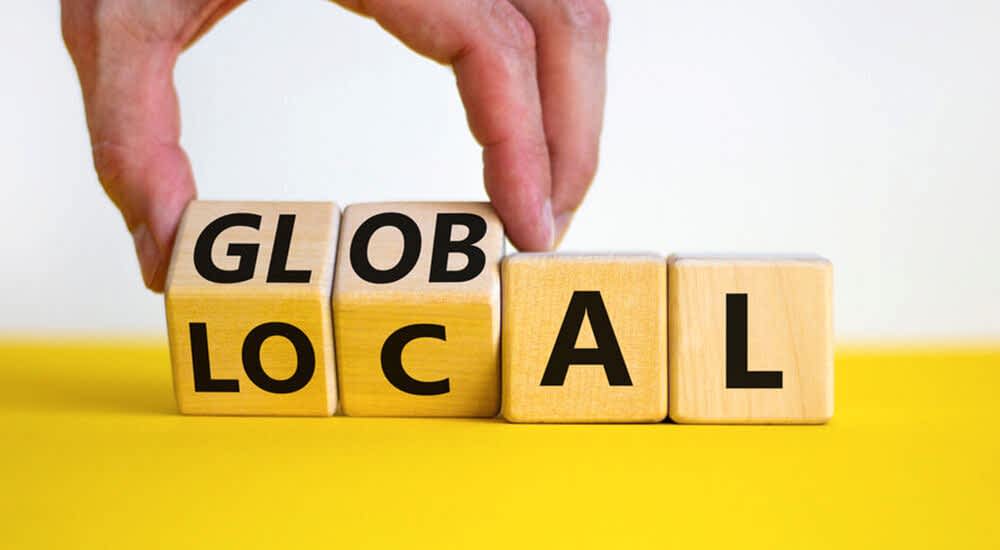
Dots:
pixel 868 132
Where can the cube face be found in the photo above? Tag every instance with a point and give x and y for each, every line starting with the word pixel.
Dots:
pixel 751 339
pixel 248 308
pixel 558 311
pixel 416 308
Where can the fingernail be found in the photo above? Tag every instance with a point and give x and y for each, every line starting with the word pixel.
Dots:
pixel 549 223
pixel 147 251
pixel 562 224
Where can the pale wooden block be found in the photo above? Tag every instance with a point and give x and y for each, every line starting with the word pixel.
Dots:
pixel 417 337
pixel 751 339
pixel 248 308
pixel 552 379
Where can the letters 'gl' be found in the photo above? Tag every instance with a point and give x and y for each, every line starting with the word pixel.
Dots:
pixel 247 253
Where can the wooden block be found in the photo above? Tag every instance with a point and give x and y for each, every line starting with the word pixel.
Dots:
pixel 248 308
pixel 584 338
pixel 416 307
pixel 751 339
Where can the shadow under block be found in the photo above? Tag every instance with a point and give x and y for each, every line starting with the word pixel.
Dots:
pixel 751 339
pixel 248 308
pixel 584 338
pixel 416 308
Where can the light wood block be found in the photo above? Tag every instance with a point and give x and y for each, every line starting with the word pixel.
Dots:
pixel 248 308
pixel 584 338
pixel 751 339
pixel 416 307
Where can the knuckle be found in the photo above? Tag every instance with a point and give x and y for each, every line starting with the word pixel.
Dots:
pixel 128 23
pixel 510 28
pixel 589 18
pixel 112 18
pixel 110 163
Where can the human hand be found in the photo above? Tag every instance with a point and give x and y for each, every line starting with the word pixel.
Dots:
pixel 531 74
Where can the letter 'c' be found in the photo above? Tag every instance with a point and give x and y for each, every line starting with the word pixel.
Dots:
pixel 392 362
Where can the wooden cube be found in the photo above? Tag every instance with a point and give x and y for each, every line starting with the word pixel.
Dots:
pixel 416 306
pixel 751 339
pixel 248 308
pixel 584 338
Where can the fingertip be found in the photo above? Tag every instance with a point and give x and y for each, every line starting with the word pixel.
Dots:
pixel 154 248
pixel 148 253
pixel 516 174
pixel 562 222
pixel 548 224
pixel 152 192
pixel 530 232
pixel 165 215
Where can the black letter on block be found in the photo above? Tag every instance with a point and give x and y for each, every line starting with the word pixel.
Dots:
pixel 411 247
pixel 203 381
pixel 737 375
pixel 392 362
pixel 246 252
pixel 607 352
pixel 278 272
pixel 306 358
pixel 444 246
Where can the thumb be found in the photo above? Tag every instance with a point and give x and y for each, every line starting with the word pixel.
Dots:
pixel 151 184
pixel 134 124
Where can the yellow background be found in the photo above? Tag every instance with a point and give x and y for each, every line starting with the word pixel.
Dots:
pixel 95 455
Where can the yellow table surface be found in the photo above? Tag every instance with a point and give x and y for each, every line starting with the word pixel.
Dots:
pixel 95 455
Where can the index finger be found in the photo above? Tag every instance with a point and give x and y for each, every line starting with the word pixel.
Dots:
pixel 572 46
pixel 491 46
